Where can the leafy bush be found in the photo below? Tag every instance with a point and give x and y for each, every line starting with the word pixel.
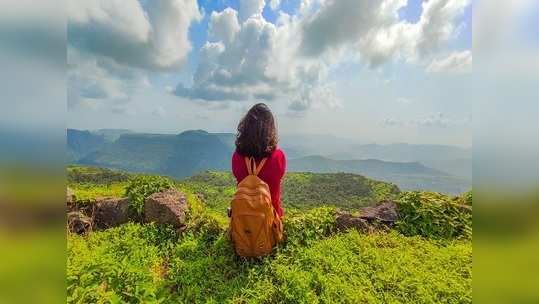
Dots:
pixel 142 186
pixel 138 263
pixel 433 215
pixel 468 197
pixel 87 193
pixel 345 190
pixel 303 228
pixel 94 175
pixel 215 189
pixel 126 263
pixel 146 263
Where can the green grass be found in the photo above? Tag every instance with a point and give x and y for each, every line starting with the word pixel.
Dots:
pixel 82 174
pixel 88 193
pixel 426 259
pixel 144 263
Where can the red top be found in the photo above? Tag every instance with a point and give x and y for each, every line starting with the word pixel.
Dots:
pixel 272 173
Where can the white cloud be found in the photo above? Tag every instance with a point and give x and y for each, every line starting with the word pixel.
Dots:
pixel 224 25
pixel 258 62
pixel 437 23
pixel 251 58
pixel 112 45
pixel 91 79
pixel 436 120
pixel 454 63
pixel 373 29
pixel 392 122
pixel 249 8
pixel 274 4
pixel 153 36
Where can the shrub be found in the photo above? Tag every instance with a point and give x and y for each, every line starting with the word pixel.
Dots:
pixel 94 175
pixel 122 264
pixel 433 215
pixel 138 263
pixel 303 227
pixel 142 186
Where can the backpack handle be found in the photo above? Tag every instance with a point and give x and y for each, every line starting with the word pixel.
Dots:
pixel 252 168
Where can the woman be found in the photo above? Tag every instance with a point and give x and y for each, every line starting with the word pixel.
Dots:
pixel 257 137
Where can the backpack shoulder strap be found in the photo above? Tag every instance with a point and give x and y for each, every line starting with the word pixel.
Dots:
pixel 259 168
pixel 249 165
pixel 252 168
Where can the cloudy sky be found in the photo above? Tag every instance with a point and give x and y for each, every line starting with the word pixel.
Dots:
pixel 376 71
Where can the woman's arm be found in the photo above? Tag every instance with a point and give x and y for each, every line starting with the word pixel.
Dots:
pixel 283 164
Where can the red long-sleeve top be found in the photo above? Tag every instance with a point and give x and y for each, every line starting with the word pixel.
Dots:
pixel 272 173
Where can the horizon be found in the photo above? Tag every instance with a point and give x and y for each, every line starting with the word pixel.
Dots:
pixel 353 140
pixel 210 61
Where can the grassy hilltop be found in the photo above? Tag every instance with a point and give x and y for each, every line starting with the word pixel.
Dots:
pixel 426 258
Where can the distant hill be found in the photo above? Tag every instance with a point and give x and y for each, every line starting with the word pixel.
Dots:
pixel 112 134
pixel 408 175
pixel 454 160
pixel 175 155
pixel 191 152
pixel 370 167
pixel 451 159
pixel 82 143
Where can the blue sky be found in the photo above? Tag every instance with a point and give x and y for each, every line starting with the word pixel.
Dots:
pixel 376 71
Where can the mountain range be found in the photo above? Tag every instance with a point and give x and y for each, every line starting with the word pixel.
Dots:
pixel 411 167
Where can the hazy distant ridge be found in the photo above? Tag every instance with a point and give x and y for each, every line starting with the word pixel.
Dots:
pixel 194 151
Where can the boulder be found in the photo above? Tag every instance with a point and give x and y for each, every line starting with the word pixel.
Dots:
pixel 368 219
pixel 71 200
pixel 78 223
pixel 346 220
pixel 385 212
pixel 167 207
pixel 110 212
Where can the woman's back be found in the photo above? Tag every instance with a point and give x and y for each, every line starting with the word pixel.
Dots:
pixel 272 172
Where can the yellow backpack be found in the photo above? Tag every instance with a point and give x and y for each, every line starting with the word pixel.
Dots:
pixel 254 227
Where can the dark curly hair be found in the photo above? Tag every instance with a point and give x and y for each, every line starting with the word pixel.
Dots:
pixel 257 134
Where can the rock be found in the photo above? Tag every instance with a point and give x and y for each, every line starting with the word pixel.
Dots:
pixel 369 219
pixel 79 223
pixel 110 212
pixel 347 221
pixel 70 195
pixel 167 207
pixel 385 212
pixel 71 200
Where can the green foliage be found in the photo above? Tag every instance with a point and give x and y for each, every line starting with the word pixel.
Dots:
pixel 302 228
pixel 143 263
pixel 94 175
pixel 142 186
pixel 215 189
pixel 91 183
pixel 87 193
pixel 307 190
pixel 125 263
pixel 300 190
pixel 434 215
pixel 468 197
pixel 429 261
